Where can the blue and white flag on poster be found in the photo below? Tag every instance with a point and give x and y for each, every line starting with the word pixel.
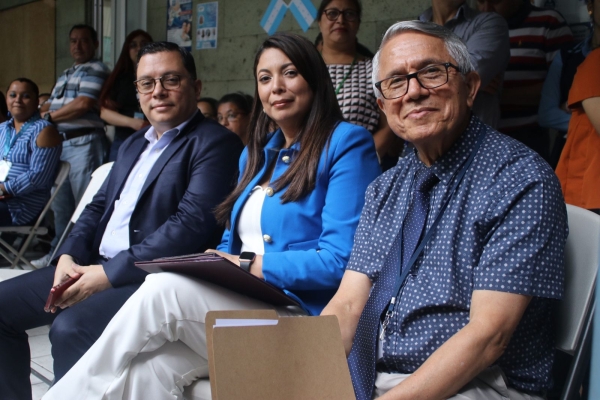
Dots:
pixel 303 10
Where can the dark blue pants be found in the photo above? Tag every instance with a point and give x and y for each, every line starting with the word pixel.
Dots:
pixel 73 330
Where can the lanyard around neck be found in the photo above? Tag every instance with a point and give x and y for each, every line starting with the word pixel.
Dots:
pixel 400 282
pixel 12 136
pixel 341 84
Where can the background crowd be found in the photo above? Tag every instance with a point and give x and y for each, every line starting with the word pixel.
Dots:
pixel 525 55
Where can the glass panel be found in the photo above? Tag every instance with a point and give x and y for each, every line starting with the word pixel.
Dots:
pixel 107 33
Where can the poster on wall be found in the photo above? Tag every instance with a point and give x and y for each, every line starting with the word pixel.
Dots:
pixel 207 25
pixel 179 23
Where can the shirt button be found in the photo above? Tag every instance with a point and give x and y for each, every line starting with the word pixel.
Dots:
pixel 269 191
pixel 285 159
pixel 267 238
pixel 139 175
pixel 113 233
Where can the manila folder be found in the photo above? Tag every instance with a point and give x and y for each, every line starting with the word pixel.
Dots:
pixel 297 358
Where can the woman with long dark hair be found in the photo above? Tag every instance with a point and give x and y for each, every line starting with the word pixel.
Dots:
pixel 291 221
pixel 119 105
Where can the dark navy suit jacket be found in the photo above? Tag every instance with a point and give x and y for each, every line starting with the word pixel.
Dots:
pixel 173 215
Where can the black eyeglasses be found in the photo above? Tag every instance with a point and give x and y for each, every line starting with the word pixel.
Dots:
pixel 332 14
pixel 430 77
pixel 168 82
pixel 232 117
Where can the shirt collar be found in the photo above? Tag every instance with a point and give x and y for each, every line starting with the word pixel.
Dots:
pixel 75 66
pixel 277 140
pixel 450 163
pixel 464 12
pixel 169 135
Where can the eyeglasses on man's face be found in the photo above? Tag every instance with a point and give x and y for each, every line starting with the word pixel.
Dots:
pixel 430 77
pixel 332 14
pixel 231 117
pixel 168 82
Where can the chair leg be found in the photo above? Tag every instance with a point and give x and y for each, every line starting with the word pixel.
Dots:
pixel 11 249
pixel 22 251
pixel 581 360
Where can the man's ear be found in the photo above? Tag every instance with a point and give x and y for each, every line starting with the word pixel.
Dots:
pixel 198 89
pixel 380 103
pixel 473 81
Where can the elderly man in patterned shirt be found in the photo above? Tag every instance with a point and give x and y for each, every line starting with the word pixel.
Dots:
pixel 458 256
pixel 73 108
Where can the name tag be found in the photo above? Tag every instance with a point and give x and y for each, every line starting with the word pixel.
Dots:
pixel 4 168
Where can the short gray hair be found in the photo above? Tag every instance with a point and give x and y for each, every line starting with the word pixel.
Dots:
pixel 455 46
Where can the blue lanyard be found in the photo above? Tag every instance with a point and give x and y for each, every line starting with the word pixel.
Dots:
pixel 400 282
pixel 12 135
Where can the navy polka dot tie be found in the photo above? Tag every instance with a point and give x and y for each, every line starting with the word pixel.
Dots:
pixel 362 356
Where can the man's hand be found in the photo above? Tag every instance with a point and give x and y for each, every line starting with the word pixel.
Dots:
pixel 93 280
pixel 64 269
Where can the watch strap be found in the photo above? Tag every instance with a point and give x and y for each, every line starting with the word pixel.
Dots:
pixel 245 265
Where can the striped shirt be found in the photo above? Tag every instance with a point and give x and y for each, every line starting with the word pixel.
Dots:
pixel 80 80
pixel 33 169
pixel 536 36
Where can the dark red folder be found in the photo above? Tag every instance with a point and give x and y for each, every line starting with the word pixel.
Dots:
pixel 213 268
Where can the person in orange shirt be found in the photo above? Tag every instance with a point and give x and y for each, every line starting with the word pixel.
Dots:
pixel 579 167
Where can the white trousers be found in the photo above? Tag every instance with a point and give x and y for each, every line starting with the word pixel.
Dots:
pixel 156 344
pixel 490 384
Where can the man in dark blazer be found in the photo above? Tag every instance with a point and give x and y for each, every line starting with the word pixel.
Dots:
pixel 156 202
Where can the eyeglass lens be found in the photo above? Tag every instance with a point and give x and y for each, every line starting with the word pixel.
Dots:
pixel 430 77
pixel 168 82
pixel 333 13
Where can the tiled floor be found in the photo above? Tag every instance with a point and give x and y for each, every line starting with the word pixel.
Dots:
pixel 41 360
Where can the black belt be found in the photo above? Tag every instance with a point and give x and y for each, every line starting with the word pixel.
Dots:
pixel 78 132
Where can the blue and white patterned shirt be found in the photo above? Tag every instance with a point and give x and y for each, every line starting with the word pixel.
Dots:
pixel 32 172
pixel 80 80
pixel 504 230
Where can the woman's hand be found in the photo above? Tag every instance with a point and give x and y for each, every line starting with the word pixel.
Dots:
pixel 255 268
pixel 232 258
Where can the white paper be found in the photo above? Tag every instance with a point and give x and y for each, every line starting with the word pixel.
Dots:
pixel 225 322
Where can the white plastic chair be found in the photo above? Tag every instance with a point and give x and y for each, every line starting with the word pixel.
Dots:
pixel 98 178
pixel 32 230
pixel 574 312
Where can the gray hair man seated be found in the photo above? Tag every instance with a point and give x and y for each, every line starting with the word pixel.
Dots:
pixel 458 257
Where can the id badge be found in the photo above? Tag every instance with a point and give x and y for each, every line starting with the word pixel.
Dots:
pixel 4 168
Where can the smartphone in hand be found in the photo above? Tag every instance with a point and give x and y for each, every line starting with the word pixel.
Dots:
pixel 57 291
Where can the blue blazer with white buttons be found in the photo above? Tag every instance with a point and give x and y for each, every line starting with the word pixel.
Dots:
pixel 308 242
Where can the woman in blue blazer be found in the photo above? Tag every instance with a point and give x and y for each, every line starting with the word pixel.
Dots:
pixel 290 221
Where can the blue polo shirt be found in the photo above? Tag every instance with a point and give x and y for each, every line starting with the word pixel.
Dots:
pixel 504 230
